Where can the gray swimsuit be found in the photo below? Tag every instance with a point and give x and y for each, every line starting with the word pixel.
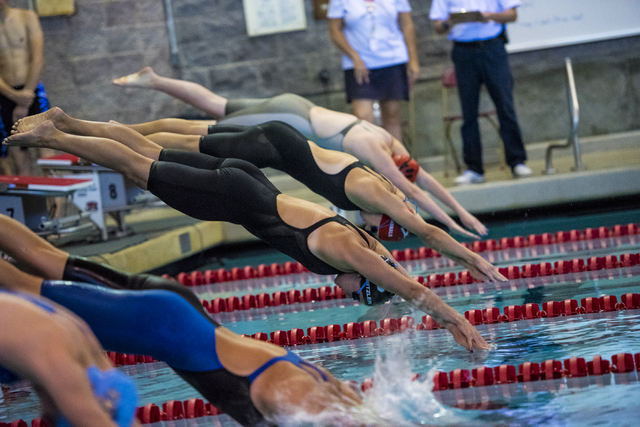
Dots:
pixel 288 108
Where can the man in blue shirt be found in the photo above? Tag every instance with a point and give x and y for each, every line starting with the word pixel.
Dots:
pixel 477 30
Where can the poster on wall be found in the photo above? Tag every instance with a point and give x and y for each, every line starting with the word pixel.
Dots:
pixel 274 16
pixel 55 7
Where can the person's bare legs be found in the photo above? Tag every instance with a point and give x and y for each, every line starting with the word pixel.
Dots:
pixel 113 131
pixel 363 109
pixel 102 151
pixel 391 112
pixel 22 161
pixel 32 253
pixel 181 126
pixel 6 167
pixel 188 92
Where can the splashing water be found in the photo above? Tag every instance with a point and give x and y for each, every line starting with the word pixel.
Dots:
pixel 398 399
pixel 394 398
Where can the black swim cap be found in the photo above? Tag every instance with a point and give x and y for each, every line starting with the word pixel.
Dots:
pixel 372 294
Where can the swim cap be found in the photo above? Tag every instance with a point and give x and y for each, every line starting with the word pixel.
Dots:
pixel 389 231
pixel 373 294
pixel 117 390
pixel 407 166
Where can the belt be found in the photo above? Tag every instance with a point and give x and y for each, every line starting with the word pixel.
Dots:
pixel 479 43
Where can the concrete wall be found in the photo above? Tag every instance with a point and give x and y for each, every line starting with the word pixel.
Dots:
pixel 109 38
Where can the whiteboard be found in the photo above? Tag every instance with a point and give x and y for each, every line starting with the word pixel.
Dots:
pixel 549 23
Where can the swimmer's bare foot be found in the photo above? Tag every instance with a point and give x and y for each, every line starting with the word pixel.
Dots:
pixel 142 78
pixel 40 136
pixel 54 115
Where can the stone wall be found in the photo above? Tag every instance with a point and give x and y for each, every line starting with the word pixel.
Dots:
pixel 109 38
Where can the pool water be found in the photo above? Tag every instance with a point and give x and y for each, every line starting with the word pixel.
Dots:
pixel 609 400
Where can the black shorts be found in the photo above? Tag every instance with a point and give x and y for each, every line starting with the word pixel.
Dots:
pixel 40 105
pixel 385 84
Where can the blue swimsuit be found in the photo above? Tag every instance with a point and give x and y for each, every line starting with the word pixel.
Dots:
pixel 165 321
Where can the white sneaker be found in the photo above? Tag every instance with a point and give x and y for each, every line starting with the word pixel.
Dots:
pixel 469 177
pixel 521 170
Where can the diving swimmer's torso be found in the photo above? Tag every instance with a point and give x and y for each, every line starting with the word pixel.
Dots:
pixel 289 108
pixel 235 191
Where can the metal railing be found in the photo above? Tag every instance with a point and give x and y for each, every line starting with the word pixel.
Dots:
pixel 574 119
pixel 174 58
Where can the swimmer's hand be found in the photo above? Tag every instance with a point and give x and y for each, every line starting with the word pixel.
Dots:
pixel 472 223
pixel 456 229
pixel 483 270
pixel 467 335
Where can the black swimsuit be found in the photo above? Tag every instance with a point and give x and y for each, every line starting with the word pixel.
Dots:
pixel 279 146
pixel 213 189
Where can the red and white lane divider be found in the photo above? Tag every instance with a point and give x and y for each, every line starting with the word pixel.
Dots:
pixel 482 376
pixel 326 293
pixel 197 278
pixel 368 329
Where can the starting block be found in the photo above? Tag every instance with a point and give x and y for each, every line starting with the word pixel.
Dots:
pixel 24 197
pixel 109 193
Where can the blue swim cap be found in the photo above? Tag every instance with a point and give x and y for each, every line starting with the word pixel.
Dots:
pixel 115 388
pixel 373 294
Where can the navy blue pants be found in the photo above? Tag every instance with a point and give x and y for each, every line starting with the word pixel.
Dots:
pixel 486 63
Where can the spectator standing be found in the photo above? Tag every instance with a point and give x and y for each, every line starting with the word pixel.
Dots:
pixel 479 56
pixel 21 92
pixel 379 58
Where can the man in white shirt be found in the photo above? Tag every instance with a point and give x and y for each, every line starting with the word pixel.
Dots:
pixel 477 30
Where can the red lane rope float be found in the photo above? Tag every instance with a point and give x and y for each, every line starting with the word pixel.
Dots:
pixel 197 278
pixel 326 293
pixel 367 329
pixel 482 376
pixel 573 367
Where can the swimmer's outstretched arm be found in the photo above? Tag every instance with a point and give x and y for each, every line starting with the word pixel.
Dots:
pixel 188 92
pixel 430 184
pixel 38 350
pixel 435 238
pixel 352 255
pixel 32 253
pixel 382 163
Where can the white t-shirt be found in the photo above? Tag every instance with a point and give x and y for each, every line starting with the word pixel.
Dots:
pixel 372 30
pixel 471 31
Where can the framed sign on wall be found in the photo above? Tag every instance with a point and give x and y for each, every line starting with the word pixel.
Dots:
pixel 55 7
pixel 274 16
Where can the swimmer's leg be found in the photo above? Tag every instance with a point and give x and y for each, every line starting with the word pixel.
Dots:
pixel 79 269
pixel 191 93
pixel 207 162
pixel 240 142
pixel 114 131
pixel 171 125
pixel 175 141
pixel 103 151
